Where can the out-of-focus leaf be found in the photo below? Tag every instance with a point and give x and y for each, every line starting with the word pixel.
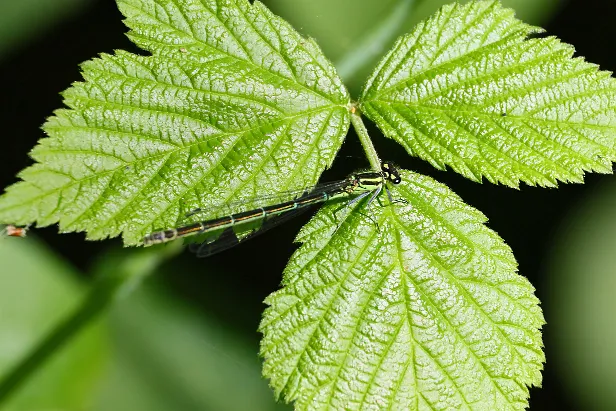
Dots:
pixel 368 46
pixel 355 34
pixel 336 25
pixel 169 358
pixel 23 19
pixel 581 306
pixel 37 290
pixel 531 11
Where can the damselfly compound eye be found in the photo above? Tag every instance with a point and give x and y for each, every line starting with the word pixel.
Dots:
pixel 392 172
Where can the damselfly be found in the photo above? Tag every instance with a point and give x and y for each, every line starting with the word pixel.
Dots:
pixel 356 186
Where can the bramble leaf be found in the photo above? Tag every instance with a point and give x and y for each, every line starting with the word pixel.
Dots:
pixel 413 306
pixel 470 90
pixel 232 103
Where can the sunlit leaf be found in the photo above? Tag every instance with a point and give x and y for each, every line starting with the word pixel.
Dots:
pixel 233 103
pixel 470 90
pixel 413 306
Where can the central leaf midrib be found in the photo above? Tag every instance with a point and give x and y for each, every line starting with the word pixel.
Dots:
pixel 390 215
pixel 463 237
pixel 329 305
pixel 479 113
pixel 158 155
pixel 524 121
pixel 160 84
pixel 437 308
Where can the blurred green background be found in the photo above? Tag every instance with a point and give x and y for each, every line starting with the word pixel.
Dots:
pixel 185 338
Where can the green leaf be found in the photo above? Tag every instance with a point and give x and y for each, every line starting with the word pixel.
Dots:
pixel 37 291
pixel 24 20
pixel 233 103
pixel 353 33
pixel 580 272
pixel 528 10
pixel 167 357
pixel 411 306
pixel 470 90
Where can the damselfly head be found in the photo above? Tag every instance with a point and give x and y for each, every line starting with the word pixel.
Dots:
pixel 391 172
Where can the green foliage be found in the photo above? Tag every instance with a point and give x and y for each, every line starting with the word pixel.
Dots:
pixel 37 290
pixel 407 306
pixel 421 308
pixel 25 19
pixel 233 103
pixel 355 34
pixel 354 37
pixel 581 272
pixel 167 357
pixel 468 89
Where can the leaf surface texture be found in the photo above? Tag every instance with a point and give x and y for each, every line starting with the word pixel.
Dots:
pixel 413 306
pixel 475 89
pixel 233 103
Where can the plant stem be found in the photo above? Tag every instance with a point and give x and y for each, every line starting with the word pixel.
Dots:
pixel 364 138
pixel 115 279
pixel 372 43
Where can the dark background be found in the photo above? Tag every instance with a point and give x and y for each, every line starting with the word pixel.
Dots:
pixel 231 286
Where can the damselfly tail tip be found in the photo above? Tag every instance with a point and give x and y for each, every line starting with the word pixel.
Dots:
pixel 11 230
pixel 158 237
